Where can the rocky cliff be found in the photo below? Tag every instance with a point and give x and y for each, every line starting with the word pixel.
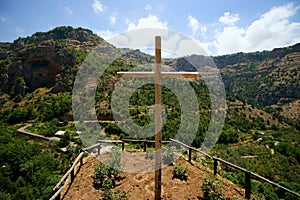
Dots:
pixel 49 59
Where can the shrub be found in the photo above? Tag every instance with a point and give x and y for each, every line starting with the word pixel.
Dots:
pixel 104 177
pixel 212 190
pixel 65 139
pixel 180 172
pixel 115 195
pixel 112 128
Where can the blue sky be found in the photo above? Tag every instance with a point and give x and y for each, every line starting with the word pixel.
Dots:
pixel 219 26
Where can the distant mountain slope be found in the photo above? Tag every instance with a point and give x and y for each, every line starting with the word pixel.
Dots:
pixel 51 59
pixel 263 78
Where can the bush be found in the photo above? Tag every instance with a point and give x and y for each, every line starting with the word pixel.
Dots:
pixel 113 128
pixel 115 195
pixel 229 136
pixel 180 172
pixel 212 189
pixel 236 178
pixel 104 177
pixel 65 139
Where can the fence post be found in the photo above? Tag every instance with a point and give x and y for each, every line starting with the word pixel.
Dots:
pixel 58 197
pixel 190 154
pixel 145 146
pixel 123 145
pixel 54 191
pixel 72 174
pixel 99 147
pixel 247 185
pixel 215 165
pixel 81 161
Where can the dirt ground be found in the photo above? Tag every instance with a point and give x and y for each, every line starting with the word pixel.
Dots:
pixel 141 185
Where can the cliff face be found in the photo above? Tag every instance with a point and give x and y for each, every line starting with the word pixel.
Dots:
pixel 38 69
pixel 48 60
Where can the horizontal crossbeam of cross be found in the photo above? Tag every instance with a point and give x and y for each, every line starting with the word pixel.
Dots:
pixel 162 74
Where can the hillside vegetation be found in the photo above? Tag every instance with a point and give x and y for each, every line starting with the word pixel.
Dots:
pixel 261 130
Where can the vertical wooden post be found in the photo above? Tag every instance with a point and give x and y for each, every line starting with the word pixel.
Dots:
pixel 99 147
pixel 190 154
pixel 247 185
pixel 215 166
pixel 72 174
pixel 123 146
pixel 58 197
pixel 145 146
pixel 158 118
pixel 81 161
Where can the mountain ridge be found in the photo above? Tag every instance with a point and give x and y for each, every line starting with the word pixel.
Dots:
pixel 51 59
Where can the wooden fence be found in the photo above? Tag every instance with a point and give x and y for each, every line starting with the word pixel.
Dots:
pixel 248 175
pixel 60 185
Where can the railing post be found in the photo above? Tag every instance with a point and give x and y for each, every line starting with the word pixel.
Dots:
pixel 247 185
pixel 145 146
pixel 190 154
pixel 72 174
pixel 215 165
pixel 81 161
pixel 99 147
pixel 54 191
pixel 58 197
pixel 123 145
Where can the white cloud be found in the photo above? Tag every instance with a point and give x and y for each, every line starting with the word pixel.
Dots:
pixel 272 29
pixel 151 21
pixel 173 43
pixel 68 10
pixel 98 6
pixel 19 30
pixel 229 19
pixel 105 34
pixel 194 24
pixel 148 7
pixel 3 19
pixel 113 19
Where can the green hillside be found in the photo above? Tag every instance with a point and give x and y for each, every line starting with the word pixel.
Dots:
pixel 261 130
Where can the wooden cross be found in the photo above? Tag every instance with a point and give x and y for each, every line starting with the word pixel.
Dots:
pixel 158 75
